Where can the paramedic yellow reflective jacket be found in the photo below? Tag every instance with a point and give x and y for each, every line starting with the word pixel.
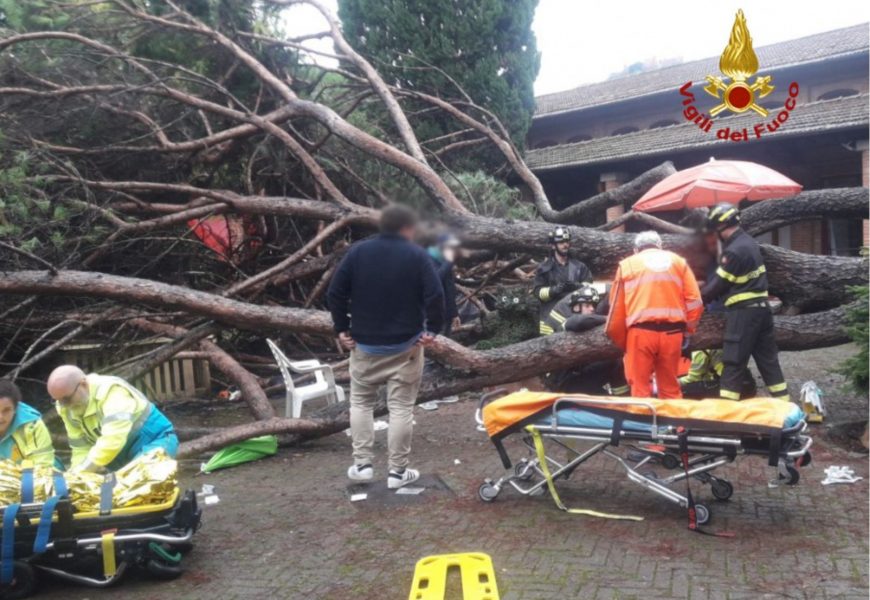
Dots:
pixel 27 438
pixel 707 365
pixel 115 412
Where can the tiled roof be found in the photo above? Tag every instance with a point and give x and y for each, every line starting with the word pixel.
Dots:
pixel 848 40
pixel 825 115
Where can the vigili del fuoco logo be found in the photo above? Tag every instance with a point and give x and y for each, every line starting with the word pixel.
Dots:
pixel 738 64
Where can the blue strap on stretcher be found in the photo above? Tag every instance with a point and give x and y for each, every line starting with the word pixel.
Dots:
pixel 44 529
pixel 27 485
pixel 60 488
pixel 7 544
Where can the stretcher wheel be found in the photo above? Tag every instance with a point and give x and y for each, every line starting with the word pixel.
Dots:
pixel 793 475
pixel 670 462
pixel 702 514
pixel 23 582
pixel 722 490
pixel 487 492
pixel 523 471
pixel 805 460
pixel 163 570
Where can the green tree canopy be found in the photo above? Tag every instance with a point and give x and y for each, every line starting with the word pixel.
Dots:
pixel 487 47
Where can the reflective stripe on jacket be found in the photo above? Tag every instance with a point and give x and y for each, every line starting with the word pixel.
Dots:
pixel 555 321
pixel 27 438
pixel 742 269
pixel 706 366
pixel 113 417
pixel 653 286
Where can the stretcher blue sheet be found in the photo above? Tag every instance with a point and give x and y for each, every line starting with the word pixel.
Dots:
pixel 573 417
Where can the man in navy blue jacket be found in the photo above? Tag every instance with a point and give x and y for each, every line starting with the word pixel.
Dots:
pixel 387 303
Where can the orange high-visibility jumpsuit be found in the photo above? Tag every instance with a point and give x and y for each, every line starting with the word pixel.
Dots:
pixel 654 299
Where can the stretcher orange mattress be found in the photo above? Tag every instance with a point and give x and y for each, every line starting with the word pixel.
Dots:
pixel 759 414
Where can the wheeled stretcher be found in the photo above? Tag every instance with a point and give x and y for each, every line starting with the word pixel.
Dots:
pixel 94 548
pixel 700 436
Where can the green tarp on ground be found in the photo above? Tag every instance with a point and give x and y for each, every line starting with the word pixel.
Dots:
pixel 243 452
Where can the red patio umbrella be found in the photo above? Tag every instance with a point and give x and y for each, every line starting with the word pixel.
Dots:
pixel 716 181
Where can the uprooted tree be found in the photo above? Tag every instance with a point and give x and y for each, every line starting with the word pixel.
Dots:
pixel 130 128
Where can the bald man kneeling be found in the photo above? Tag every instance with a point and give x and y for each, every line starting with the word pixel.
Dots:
pixel 107 420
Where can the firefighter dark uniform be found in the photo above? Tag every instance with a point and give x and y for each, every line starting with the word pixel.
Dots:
pixel 592 378
pixel 741 281
pixel 554 280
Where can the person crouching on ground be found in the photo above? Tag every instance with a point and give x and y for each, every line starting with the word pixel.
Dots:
pixel 386 301
pixel 655 305
pixel 108 421
pixel 23 434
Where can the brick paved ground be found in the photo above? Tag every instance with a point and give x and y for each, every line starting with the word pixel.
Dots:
pixel 285 529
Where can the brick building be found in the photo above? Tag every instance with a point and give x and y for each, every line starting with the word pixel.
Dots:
pixel 599 135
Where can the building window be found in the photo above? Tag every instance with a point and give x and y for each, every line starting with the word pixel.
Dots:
pixel 662 123
pixel 579 138
pixel 545 144
pixel 838 93
pixel 624 130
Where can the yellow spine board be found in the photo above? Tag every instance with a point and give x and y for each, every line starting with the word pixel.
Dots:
pixel 478 577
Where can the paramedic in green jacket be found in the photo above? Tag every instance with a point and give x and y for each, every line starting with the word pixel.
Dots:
pixel 108 421
pixel 23 435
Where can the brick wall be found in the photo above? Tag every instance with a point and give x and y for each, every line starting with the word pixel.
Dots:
pixel 807 237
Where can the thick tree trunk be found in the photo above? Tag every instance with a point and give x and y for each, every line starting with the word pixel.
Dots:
pixel 465 370
pixel 133 290
pixel 834 203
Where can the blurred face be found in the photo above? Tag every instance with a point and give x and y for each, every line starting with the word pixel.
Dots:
pixel 711 241
pixel 408 232
pixel 587 309
pixel 563 247
pixel 7 414
pixel 75 399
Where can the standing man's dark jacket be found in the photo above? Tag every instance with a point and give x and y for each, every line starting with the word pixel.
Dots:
pixel 444 269
pixel 551 276
pixel 390 287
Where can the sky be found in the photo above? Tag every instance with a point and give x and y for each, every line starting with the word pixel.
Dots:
pixel 584 41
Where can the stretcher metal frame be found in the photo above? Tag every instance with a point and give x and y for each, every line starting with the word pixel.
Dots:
pixel 77 544
pixel 708 451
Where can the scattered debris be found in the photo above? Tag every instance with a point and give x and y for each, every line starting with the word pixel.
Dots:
pixel 835 474
pixel 358 497
pixel 811 402
pixel 410 491
pixel 456 461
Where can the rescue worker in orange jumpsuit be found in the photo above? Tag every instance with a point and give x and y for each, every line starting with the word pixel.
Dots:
pixel 655 306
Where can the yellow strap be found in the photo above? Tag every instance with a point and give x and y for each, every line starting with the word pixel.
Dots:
pixel 542 459
pixel 109 567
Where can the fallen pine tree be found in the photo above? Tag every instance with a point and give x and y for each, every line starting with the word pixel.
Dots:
pixel 116 176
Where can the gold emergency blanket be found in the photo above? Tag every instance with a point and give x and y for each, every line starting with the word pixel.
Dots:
pixel 146 480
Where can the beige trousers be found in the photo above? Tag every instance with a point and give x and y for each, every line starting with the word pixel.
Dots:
pixel 401 373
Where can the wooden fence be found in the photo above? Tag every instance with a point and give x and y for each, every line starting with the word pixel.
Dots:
pixel 182 376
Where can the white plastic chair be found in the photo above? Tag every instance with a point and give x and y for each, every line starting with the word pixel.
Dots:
pixel 323 386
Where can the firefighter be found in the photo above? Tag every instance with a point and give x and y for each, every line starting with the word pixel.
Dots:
pixel 108 421
pixel 577 313
pixel 558 275
pixel 741 280
pixel 655 306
